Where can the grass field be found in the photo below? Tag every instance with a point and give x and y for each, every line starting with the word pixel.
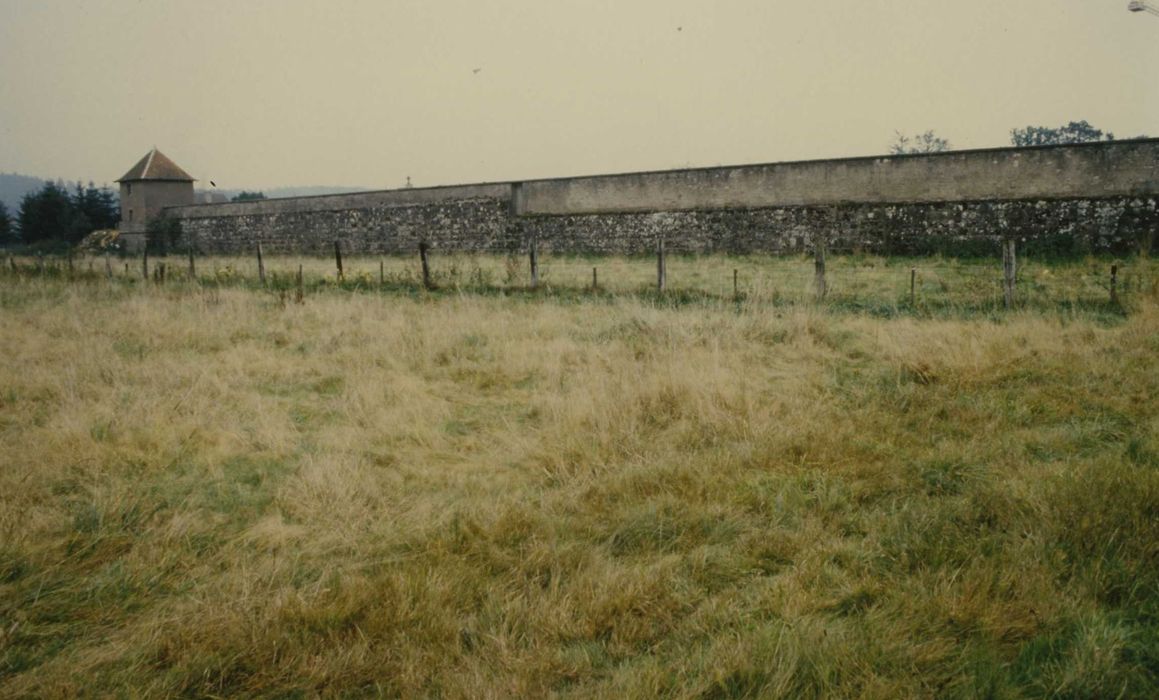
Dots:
pixel 879 286
pixel 210 490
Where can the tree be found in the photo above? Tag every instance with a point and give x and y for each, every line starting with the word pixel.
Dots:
pixel 1074 132
pixel 52 214
pixel 100 207
pixel 920 143
pixel 248 196
pixel 48 215
pixel 6 233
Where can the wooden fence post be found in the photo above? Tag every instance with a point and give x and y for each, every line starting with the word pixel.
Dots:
pixel 819 269
pixel 161 273
pixel 1009 271
pixel 1114 284
pixel 423 247
pixel 338 258
pixel 735 284
pixel 661 267
pixel 261 266
pixel 301 293
pixel 913 273
pixel 381 273
pixel 108 267
pixel 192 266
pixel 145 263
pixel 595 279
pixel 533 252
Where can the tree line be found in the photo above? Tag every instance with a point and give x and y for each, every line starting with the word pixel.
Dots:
pixel 1071 132
pixel 54 214
pixel 58 215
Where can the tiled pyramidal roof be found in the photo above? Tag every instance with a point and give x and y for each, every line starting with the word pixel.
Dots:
pixel 155 166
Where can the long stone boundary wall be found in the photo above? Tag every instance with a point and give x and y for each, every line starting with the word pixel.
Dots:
pixel 1064 199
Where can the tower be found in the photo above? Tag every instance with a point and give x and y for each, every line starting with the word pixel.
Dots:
pixel 154 183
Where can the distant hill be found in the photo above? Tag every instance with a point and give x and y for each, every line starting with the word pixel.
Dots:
pixel 278 192
pixel 13 187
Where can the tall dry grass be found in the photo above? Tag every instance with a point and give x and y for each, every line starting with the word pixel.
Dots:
pixel 210 491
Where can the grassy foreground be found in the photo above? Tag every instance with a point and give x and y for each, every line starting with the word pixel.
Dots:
pixel 211 492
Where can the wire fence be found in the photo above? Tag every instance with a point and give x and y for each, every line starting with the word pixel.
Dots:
pixel 880 284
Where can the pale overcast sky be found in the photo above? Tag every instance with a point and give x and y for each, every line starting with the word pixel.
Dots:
pixel 295 92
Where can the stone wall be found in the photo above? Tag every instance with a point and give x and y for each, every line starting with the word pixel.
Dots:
pixel 1056 172
pixel 469 225
pixel 1066 199
pixel 1059 227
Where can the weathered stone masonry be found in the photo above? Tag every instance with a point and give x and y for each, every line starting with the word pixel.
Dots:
pixel 1092 197
pixel 1055 226
pixel 477 225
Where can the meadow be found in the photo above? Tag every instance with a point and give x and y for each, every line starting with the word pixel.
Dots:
pixel 874 284
pixel 210 489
